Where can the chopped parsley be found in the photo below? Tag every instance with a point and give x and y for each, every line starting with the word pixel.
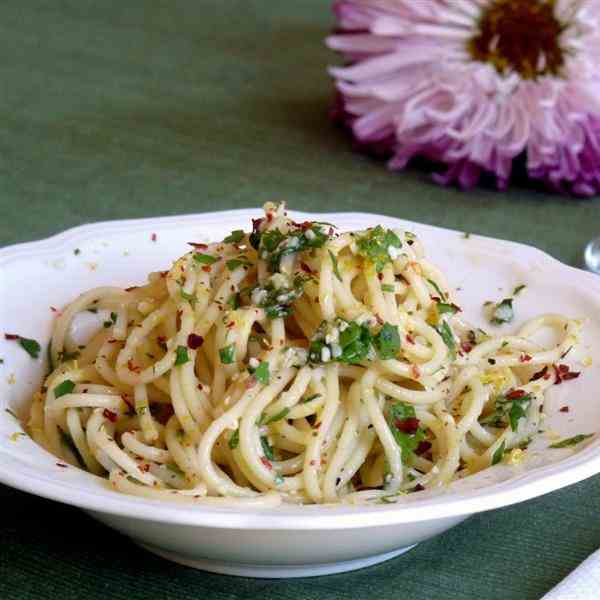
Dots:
pixel 205 259
pixel 240 261
pixel 234 301
pixel 405 427
pixel 334 262
pixel 227 354
pixel 503 312
pixel 386 287
pixel 379 246
pixel 234 440
pixel 235 237
pixel 191 298
pixel 508 410
pixel 66 387
pixel 499 453
pixel 448 337
pixel 267 448
pixel 274 245
pixel 310 398
pixel 519 289
pixel 32 347
pixel 276 417
pixel 572 441
pixel 262 373
pixel 387 342
pixel 181 355
pixel 436 287
pixel 277 295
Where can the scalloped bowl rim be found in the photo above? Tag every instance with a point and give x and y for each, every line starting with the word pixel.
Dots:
pixel 537 482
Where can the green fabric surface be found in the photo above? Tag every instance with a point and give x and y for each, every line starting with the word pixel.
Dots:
pixel 132 109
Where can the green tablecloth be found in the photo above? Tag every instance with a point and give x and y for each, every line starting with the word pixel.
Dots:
pixel 127 109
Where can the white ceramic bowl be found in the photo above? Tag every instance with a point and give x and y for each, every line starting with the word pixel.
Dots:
pixel 296 540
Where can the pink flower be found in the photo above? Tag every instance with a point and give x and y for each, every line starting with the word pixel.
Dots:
pixel 474 84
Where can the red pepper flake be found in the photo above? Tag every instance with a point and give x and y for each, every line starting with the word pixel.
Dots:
pixel 144 468
pixel 415 372
pixel 418 488
pixel 250 382
pixel 564 373
pixel 380 276
pixel 130 289
pixel 541 374
pixel 515 394
pixel 564 409
pixel 125 399
pixel 163 413
pixel 110 415
pixel 12 336
pixel 423 447
pixel 194 341
pixel 524 358
pixel 410 339
pixel 256 223
pixel 269 217
pixel 466 347
pixel 62 465
pixel 200 387
pixel 133 368
pixel 207 268
pixel 379 319
pixel 230 325
pixel 330 232
pixel 305 267
pixel 313 463
pixel 265 461
pixel 153 237
pixel 54 309
pixel 198 245
pixel 409 425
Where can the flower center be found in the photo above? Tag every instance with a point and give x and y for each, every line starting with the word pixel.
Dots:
pixel 521 36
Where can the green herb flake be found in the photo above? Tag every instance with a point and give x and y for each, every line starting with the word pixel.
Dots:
pixel 310 398
pixel 503 312
pixel 572 441
pixel 235 237
pixel 277 416
pixel 234 439
pixel 191 298
pixel 334 262
pixel 227 354
pixel 375 246
pixel 235 263
pixel 32 347
pixel 499 453
pixel 387 342
pixel 267 449
pixel 397 413
pixel 519 289
pixel 262 373
pixel 234 301
pixel 436 287
pixel 205 259
pixel 448 337
pixel 445 308
pixel 181 355
pixel 66 387
pixel 386 287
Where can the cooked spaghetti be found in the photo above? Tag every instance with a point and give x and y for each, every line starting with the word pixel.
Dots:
pixel 294 363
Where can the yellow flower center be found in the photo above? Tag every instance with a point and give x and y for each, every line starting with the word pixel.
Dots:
pixel 521 36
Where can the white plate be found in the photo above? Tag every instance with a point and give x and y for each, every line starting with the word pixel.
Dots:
pixel 287 541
